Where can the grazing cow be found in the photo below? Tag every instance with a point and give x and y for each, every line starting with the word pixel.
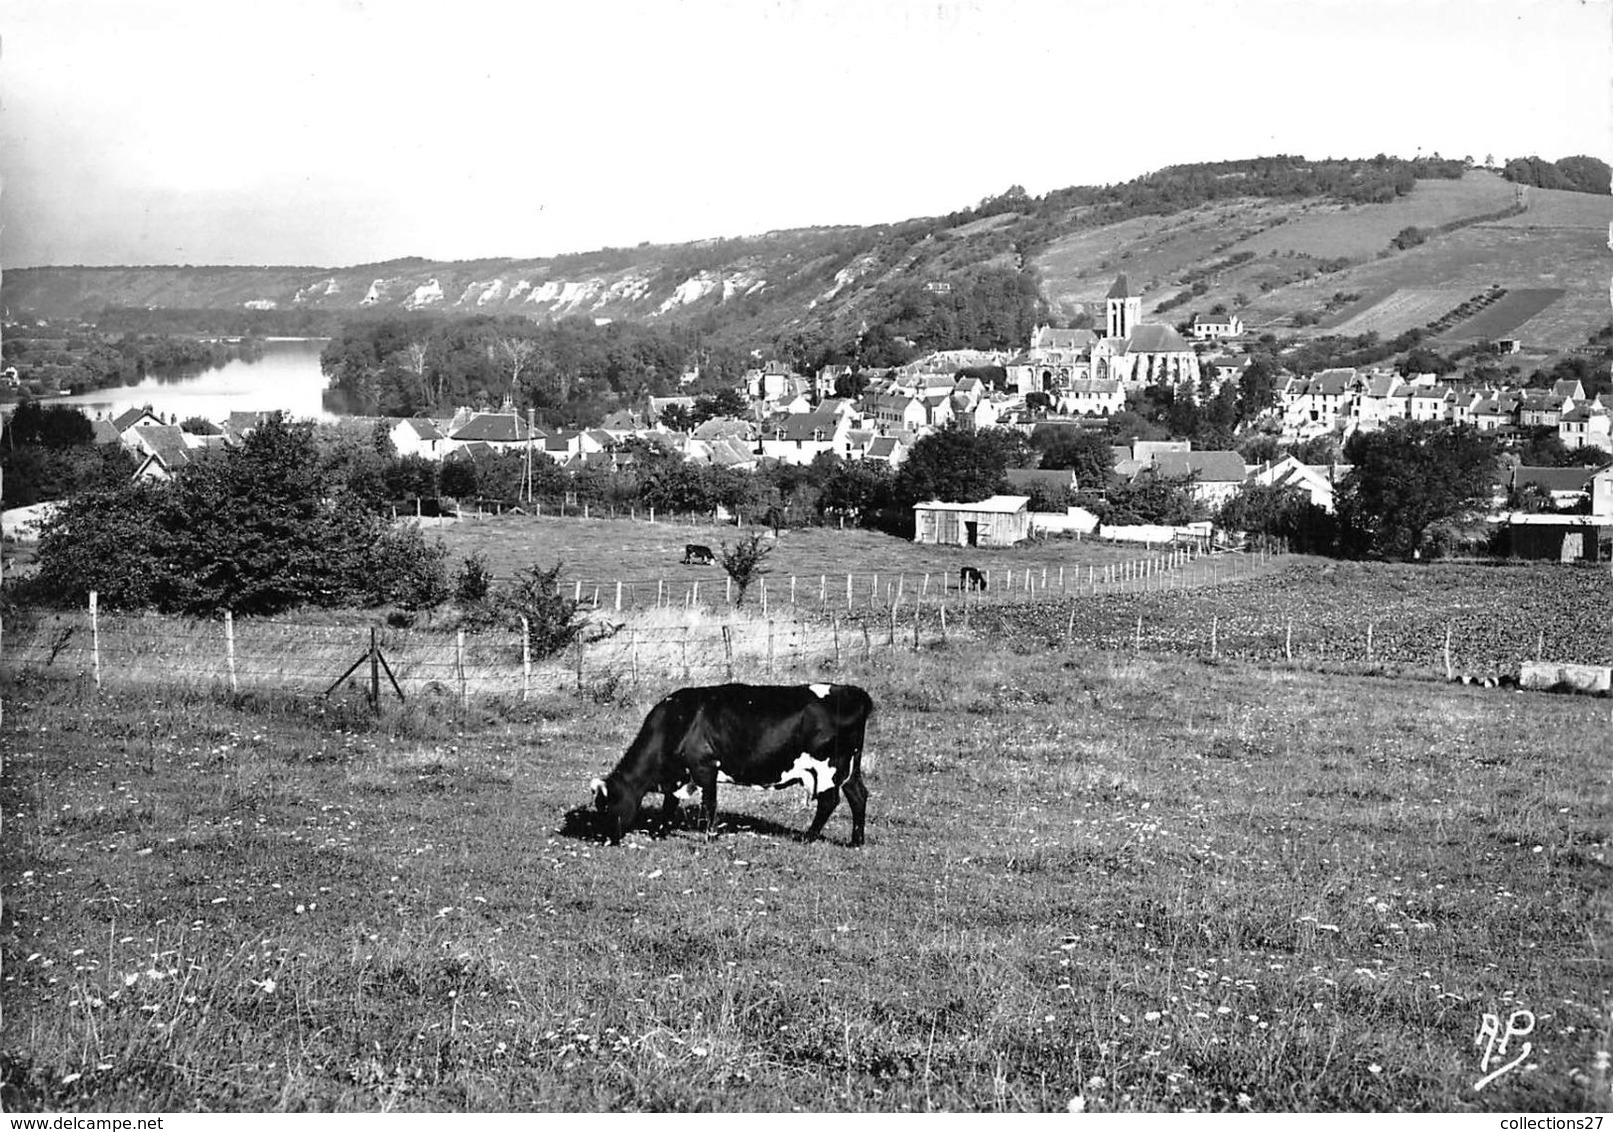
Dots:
pixel 768 736
pixel 699 555
pixel 971 579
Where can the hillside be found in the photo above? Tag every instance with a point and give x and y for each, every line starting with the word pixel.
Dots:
pixel 1270 257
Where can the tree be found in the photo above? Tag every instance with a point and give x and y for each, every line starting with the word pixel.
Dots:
pixel 954 465
pixel 745 562
pixel 1088 454
pixel 1165 500
pixel 1406 479
pixel 1283 512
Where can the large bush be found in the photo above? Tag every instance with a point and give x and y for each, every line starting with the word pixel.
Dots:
pixel 249 530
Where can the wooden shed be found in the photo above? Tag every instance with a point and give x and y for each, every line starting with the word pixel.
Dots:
pixel 1001 520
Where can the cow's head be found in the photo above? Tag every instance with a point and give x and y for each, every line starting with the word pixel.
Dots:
pixel 619 806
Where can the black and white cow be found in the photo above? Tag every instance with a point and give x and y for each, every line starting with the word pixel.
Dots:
pixel 699 555
pixel 769 736
pixel 970 578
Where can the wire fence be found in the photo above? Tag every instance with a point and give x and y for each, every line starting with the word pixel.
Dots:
pixel 1178 568
pixel 704 645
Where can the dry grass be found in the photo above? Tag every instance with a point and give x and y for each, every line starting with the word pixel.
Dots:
pixel 1144 883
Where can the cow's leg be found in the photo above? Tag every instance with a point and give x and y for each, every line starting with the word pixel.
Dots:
pixel 669 809
pixel 827 801
pixel 708 800
pixel 857 798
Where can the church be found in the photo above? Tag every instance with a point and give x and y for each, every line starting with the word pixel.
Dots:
pixel 1131 352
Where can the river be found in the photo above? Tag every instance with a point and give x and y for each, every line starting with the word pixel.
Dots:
pixel 286 376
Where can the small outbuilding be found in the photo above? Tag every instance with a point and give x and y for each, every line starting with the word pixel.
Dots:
pixel 1559 538
pixel 1002 520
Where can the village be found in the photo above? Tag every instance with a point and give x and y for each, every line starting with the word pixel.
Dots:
pixel 1061 379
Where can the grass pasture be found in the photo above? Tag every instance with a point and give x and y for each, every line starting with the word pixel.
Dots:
pixel 644 556
pixel 1120 883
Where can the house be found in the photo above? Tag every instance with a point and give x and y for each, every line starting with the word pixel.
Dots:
pixel 1002 520
pixel 1586 425
pixel 419 436
pixel 503 432
pixel 801 437
pixel 1217 476
pixel 655 406
pixel 127 421
pixel 896 411
pixel 887 450
pixel 1213 327
pixel 1542 409
pixel 1565 487
pixel 773 381
pixel 162 448
pixel 1091 397
pixel 1316 481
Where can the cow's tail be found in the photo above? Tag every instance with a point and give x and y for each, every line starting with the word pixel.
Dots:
pixel 857 759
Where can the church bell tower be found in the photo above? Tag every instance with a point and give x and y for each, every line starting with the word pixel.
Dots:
pixel 1125 310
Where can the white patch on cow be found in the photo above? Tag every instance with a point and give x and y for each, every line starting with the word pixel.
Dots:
pixel 597 785
pixel 819 690
pixel 815 774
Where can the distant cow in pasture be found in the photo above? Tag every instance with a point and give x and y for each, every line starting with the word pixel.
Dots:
pixel 766 736
pixel 970 578
pixel 697 554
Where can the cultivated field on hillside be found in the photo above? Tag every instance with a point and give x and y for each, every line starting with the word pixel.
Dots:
pixel 1399 311
pixel 1473 259
pixel 1334 231
pixel 1361 616
pixel 1091 881
pixel 1503 317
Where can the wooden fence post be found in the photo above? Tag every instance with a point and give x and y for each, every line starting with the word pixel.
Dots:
pixel 770 647
pixel 1369 642
pixel 834 629
pixel 728 649
pixel 868 644
pixel 1288 641
pixel 95 637
pixel 916 606
pixel 632 653
pixel 526 657
pixel 943 619
pixel 229 649
pixel 686 652
pixel 660 590
pixel 375 671
pixel 459 668
pixel 823 588
pixel 792 591
pixel 1215 627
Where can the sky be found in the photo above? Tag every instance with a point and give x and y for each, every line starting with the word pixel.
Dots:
pixel 342 132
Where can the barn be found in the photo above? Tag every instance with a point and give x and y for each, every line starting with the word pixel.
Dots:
pixel 1001 520
pixel 1559 538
